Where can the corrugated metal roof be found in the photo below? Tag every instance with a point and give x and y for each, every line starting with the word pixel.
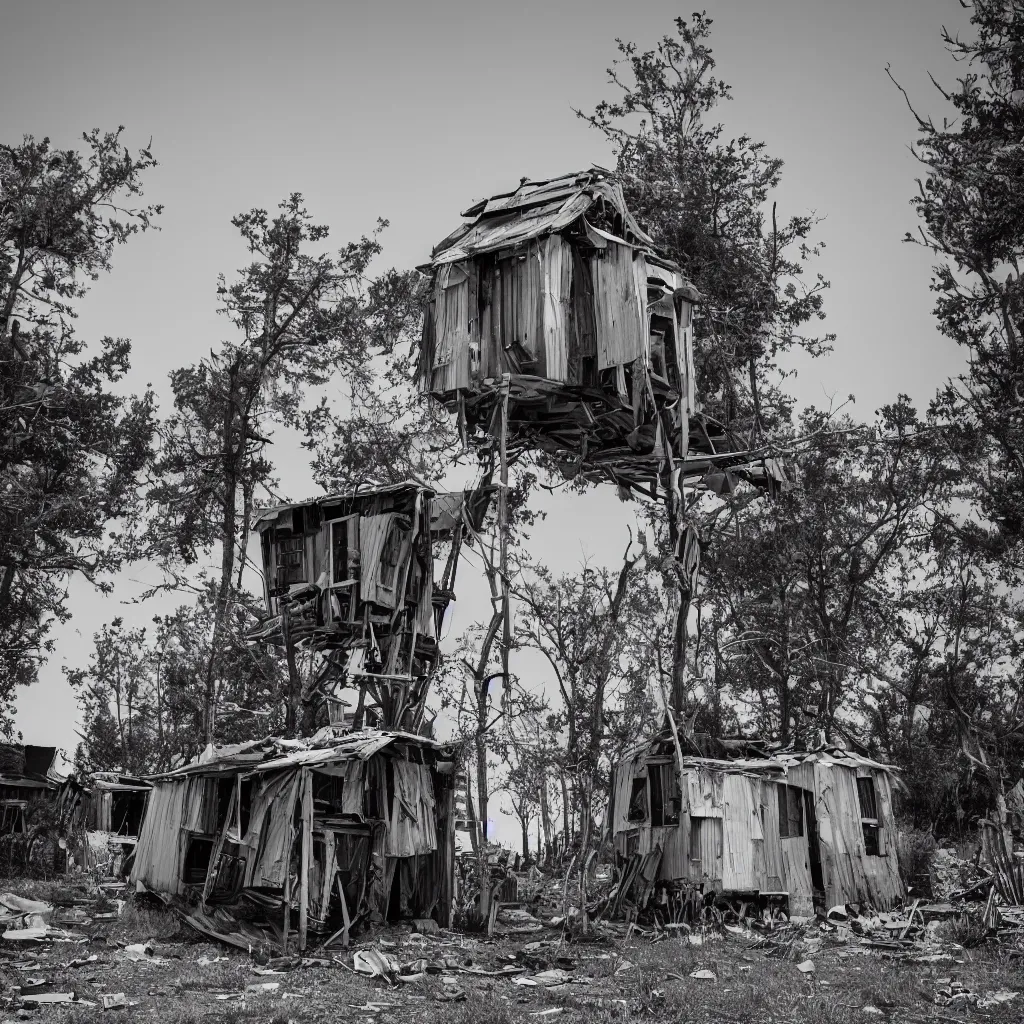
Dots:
pixel 274 753
pixel 271 512
pixel 779 763
pixel 534 209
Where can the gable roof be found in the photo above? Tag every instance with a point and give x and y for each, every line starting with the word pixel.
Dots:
pixel 535 209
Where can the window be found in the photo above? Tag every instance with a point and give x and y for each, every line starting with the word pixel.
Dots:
pixel 638 801
pixel 389 557
pixel 791 811
pixel 12 816
pixel 344 550
pixel 866 795
pixel 666 801
pixel 869 821
pixel 289 561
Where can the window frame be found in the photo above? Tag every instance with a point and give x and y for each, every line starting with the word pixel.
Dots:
pixel 870 826
pixel 786 796
pixel 280 582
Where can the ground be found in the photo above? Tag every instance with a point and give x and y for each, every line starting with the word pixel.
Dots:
pixel 618 980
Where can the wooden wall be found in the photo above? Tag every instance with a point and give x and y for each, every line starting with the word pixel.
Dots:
pixel 728 834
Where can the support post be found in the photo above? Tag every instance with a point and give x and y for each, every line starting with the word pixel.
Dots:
pixel 307 851
pixel 506 624
pixel 287 904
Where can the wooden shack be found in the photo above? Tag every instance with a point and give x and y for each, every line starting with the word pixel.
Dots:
pixel 352 575
pixel 815 826
pixel 100 819
pixel 27 781
pixel 304 837
pixel 553 294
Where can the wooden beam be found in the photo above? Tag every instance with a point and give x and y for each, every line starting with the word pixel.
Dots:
pixel 287 903
pixel 344 913
pixel 307 852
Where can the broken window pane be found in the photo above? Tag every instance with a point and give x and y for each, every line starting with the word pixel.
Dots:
pixel 791 811
pixel 783 812
pixel 638 801
pixel 871 847
pixel 289 561
pixel 866 795
pixel 796 811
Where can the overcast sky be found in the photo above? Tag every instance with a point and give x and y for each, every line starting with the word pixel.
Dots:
pixel 409 111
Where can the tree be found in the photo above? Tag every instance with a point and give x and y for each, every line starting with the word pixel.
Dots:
pixel 971 209
pixel 116 701
pixel 71 448
pixel 141 710
pixel 705 200
pixel 299 320
pixel 382 431
pixel 803 592
pixel 579 623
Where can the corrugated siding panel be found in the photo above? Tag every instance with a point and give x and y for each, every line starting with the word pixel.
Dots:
pixel 743 847
pixel 619 327
pixel 851 875
pixel 775 872
pixel 373 533
pixel 704 793
pixel 675 850
pixel 640 295
pixel 158 853
pixel 624 773
pixel 710 846
pixel 556 289
pixel 201 806
pixel 271 832
pixel 451 327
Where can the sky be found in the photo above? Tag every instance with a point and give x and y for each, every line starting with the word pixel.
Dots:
pixel 410 111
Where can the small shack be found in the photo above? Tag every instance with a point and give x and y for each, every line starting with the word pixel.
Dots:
pixel 352 576
pixel 316 837
pixel 814 826
pixel 552 306
pixel 27 781
pixel 101 819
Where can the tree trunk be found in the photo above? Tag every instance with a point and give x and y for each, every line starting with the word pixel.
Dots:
pixel 291 711
pixel 229 511
pixel 545 822
pixel 526 838
pixel 565 809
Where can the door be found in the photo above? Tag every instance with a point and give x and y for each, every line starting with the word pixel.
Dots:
pixel 814 849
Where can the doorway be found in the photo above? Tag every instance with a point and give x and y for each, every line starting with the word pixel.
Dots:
pixel 814 850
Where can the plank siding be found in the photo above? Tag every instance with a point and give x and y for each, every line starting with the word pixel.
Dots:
pixel 728 836
pixel 620 329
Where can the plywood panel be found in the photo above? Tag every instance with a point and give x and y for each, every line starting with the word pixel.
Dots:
pixel 619 327
pixel 743 844
pixel 556 312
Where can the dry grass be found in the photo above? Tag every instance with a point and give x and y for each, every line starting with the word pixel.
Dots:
pixel 748 987
pixel 140 922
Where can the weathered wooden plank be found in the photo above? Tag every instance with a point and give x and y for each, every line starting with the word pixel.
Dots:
pixel 307 855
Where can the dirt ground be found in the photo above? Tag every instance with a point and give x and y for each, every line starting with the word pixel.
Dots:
pixel 188 980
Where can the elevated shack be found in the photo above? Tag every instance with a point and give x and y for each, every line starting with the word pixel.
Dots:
pixel 814 826
pixel 352 576
pixel 551 305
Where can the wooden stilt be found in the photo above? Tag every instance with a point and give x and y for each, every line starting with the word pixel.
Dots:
pixel 344 913
pixel 506 625
pixel 307 851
